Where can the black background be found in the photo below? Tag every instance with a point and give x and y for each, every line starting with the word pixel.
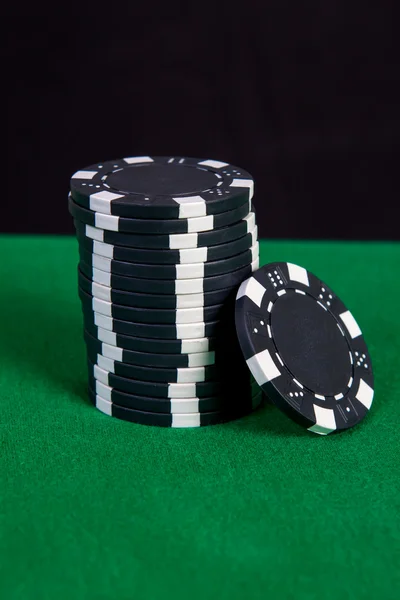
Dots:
pixel 304 95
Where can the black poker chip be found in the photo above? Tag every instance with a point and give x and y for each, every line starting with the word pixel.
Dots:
pixel 153 301
pixel 156 346
pixel 157 226
pixel 165 257
pixel 165 286
pixel 249 399
pixel 157 331
pixel 159 374
pixel 202 389
pixel 224 364
pixel 177 241
pixel 178 271
pixel 149 359
pixel 162 316
pixel 161 187
pixel 304 348
pixel 181 420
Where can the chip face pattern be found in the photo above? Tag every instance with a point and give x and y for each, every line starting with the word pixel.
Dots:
pixel 304 348
pixel 162 187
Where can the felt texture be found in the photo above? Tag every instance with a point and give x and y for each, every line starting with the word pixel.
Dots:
pixel 96 508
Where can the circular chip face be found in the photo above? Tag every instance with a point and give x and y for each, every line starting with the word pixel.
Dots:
pixel 186 271
pixel 168 286
pixel 158 226
pixel 165 257
pixel 168 419
pixel 161 187
pixel 304 348
pixel 175 241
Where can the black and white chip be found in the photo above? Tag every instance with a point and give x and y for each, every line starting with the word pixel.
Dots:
pixel 247 401
pixel 304 348
pixel 166 257
pixel 153 301
pixel 202 389
pixel 180 316
pixel 176 241
pixel 161 187
pixel 173 419
pixel 158 226
pixel 169 286
pixel 148 359
pixel 159 374
pixel 163 271
pixel 155 346
pixel 156 331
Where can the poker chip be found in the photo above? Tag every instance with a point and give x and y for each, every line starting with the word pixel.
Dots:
pixel 182 331
pixel 175 405
pixel 201 314
pixel 157 346
pixel 164 187
pixel 172 419
pixel 157 375
pixel 304 348
pixel 151 388
pixel 203 254
pixel 153 301
pixel 179 271
pixel 169 286
pixel 179 241
pixel 148 359
pixel 157 226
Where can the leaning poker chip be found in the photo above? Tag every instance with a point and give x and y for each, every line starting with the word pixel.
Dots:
pixel 186 271
pixel 156 390
pixel 304 348
pixel 170 257
pixel 161 187
pixel 166 419
pixel 157 226
pixel 150 315
pixel 181 331
pixel 156 346
pixel 155 301
pixel 147 359
pixel 247 401
pixel 169 286
pixel 159 374
pixel 178 241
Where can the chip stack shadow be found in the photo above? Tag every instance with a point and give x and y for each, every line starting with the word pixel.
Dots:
pixel 164 244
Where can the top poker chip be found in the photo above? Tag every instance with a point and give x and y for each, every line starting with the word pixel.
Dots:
pixel 161 187
pixel 304 348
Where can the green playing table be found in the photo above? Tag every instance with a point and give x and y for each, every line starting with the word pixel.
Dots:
pixel 96 508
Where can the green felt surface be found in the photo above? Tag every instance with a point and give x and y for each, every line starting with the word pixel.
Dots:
pixel 96 508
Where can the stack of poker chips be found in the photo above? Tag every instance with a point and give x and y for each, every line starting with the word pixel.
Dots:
pixel 164 244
